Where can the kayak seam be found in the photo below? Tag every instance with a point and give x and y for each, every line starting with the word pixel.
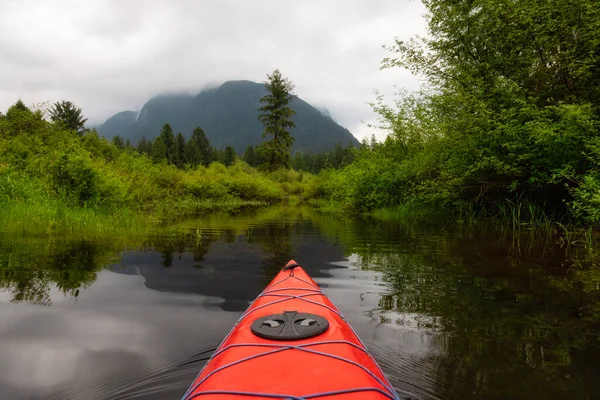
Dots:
pixel 291 297
pixel 292 397
pixel 287 345
pixel 280 348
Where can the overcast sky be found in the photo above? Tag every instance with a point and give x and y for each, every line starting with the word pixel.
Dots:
pixel 113 55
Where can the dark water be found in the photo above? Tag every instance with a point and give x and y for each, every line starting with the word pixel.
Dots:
pixel 449 312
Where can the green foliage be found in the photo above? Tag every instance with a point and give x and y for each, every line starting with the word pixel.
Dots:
pixel 168 139
pixel 159 150
pixel 20 119
pixel 507 123
pixel 276 116
pixel 203 152
pixel 586 200
pixel 49 175
pixel 229 156
pixel 339 157
pixel 118 142
pixel 69 115
pixel 249 156
pixel 144 146
pixel 192 153
pixel 179 151
pixel 75 177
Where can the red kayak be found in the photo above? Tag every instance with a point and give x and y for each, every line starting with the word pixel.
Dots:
pixel 291 343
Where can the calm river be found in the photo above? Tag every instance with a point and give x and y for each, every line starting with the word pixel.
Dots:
pixel 449 312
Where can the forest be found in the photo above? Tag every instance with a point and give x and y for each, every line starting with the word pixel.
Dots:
pixel 505 126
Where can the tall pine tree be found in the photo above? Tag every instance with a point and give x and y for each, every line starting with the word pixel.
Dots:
pixel 192 153
pixel 229 156
pixel 159 150
pixel 179 151
pixel 168 139
pixel 203 145
pixel 276 116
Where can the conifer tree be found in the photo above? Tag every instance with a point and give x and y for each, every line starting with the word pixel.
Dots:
pixel 168 139
pixel 179 151
pixel 69 115
pixel 276 116
pixel 229 156
pixel 203 145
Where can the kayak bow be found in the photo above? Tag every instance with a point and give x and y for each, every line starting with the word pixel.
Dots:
pixel 291 343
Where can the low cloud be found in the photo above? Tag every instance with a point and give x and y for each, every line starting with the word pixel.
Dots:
pixel 108 56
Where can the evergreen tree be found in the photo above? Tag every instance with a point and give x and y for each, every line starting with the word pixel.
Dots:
pixel 217 155
pixel 179 152
pixel 250 156
pixel 159 150
pixel 144 146
pixel 20 106
pixel 261 155
pixel 69 115
pixel 276 117
pixel 22 119
pixel 229 156
pixel 299 161
pixel 168 139
pixel 128 144
pixel 205 148
pixel 192 153
pixel 118 142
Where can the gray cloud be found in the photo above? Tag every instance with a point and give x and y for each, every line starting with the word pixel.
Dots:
pixel 110 55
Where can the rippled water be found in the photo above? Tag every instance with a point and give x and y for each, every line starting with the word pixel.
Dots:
pixel 450 312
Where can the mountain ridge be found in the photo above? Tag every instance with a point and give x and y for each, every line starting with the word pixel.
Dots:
pixel 228 114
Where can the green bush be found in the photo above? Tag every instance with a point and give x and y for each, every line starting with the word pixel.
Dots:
pixel 585 205
pixel 74 177
pixel 41 163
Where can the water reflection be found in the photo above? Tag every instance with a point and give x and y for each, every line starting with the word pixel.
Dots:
pixel 30 267
pixel 450 312
pixel 508 319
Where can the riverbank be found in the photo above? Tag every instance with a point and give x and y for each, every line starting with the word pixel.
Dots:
pixel 56 180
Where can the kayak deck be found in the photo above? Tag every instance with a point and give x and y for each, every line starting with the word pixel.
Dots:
pixel 291 343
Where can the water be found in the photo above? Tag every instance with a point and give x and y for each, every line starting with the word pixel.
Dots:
pixel 449 312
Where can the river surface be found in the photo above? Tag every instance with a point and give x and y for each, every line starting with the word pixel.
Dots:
pixel 449 312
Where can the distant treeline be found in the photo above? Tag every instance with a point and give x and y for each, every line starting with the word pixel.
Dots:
pixel 179 151
pixel 197 150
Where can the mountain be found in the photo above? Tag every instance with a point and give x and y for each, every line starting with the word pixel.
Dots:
pixel 228 114
pixel 119 122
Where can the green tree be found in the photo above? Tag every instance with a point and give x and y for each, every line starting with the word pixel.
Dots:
pixel 229 156
pixel 21 120
pixel 510 106
pixel 179 151
pixel 276 116
pixel 168 140
pixel 192 153
pixel 250 156
pixel 67 114
pixel 118 142
pixel 201 141
pixel 144 146
pixel 159 150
